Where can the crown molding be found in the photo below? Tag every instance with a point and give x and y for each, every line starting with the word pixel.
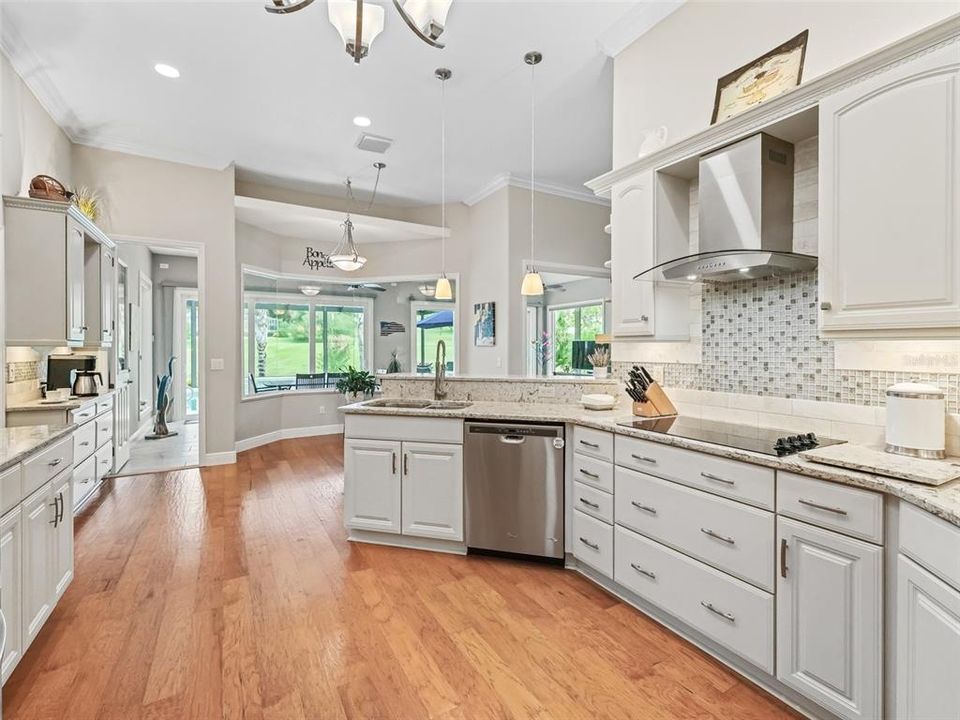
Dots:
pixel 523 183
pixel 155 152
pixel 635 23
pixel 790 103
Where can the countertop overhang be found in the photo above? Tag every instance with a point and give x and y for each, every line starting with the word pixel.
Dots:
pixel 18 443
pixel 942 501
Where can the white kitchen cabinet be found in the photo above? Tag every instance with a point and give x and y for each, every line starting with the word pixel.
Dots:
pixel 432 504
pixel 76 302
pixel 890 200
pixel 372 484
pixel 11 541
pixel 829 619
pixel 928 645
pixel 37 562
pixel 631 251
pixel 62 530
pixel 99 284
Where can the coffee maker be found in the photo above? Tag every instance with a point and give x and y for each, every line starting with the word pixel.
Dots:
pixel 61 369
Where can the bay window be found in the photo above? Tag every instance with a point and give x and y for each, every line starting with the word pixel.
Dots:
pixel 574 329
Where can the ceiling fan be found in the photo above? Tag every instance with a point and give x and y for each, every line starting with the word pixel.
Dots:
pixel 426 18
pixel 377 287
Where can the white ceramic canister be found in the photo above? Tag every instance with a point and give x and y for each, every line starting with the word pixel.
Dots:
pixel 916 420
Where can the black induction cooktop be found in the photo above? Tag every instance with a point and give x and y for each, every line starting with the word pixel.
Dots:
pixel 766 441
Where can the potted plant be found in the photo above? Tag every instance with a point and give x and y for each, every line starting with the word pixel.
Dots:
pixel 600 359
pixel 357 382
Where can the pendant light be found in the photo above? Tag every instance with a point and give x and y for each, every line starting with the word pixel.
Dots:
pixel 532 282
pixel 443 291
pixel 345 256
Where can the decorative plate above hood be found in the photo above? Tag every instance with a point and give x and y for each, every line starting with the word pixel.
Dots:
pixel 745 217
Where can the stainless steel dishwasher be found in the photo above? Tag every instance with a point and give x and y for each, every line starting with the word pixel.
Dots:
pixel 514 488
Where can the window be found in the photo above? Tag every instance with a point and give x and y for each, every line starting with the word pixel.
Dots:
pixel 432 322
pixel 286 336
pixel 574 329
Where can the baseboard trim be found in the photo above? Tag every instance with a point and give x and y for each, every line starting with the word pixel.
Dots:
pixel 220 458
pixel 287 434
pixel 371 537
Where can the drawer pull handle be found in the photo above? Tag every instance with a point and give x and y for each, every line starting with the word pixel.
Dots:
pixel 717 478
pixel 721 613
pixel 393 456
pixel 722 538
pixel 590 545
pixel 54 463
pixel 85 443
pixel 589 504
pixel 783 557
pixel 644 458
pixel 818 506
pixel 595 446
pixel 589 474
pixel 652 576
pixel 406 464
pixel 645 508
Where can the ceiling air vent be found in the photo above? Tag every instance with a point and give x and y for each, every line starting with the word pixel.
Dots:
pixel 374 143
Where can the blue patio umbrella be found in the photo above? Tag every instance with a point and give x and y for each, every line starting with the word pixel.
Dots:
pixel 441 318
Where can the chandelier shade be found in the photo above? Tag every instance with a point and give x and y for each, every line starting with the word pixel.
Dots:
pixel 351 17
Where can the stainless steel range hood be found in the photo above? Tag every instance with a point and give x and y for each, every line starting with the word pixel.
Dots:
pixel 746 216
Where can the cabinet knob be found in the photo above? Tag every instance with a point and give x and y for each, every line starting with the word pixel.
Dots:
pixel 644 318
pixel 826 306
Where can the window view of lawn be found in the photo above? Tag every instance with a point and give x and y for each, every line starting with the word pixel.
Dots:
pixel 575 323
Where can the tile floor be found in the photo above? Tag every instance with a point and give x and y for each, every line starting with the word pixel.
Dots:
pixel 173 453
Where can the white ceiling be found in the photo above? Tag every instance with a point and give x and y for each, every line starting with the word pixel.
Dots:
pixel 326 226
pixel 276 94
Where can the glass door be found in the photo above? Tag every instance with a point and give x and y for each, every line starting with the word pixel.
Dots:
pixel 186 372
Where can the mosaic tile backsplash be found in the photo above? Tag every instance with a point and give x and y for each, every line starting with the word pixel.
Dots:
pixel 760 338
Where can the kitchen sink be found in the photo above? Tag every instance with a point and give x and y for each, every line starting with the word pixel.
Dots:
pixel 420 404
pixel 412 404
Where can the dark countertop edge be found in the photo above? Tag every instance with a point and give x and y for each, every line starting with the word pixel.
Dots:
pixel 57 432
pixel 921 495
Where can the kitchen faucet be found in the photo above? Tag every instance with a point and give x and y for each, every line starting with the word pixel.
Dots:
pixel 440 374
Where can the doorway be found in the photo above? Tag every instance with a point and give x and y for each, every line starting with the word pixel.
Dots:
pixel 186 338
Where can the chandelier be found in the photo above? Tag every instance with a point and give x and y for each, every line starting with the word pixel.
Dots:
pixel 359 22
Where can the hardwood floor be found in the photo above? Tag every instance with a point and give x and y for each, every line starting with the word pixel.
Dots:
pixel 233 593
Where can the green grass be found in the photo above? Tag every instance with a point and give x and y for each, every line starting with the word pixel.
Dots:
pixel 286 357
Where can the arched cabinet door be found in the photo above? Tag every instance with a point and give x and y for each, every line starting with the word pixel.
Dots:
pixel 890 200
pixel 631 251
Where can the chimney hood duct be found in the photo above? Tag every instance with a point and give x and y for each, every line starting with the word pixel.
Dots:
pixel 746 217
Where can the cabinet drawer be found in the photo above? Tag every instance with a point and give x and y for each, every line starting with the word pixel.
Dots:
pixel 748 483
pixel 411 428
pixel 84 441
pixel 104 404
pixel 593 542
pixel 731 612
pixel 593 502
pixel 595 443
pixel 837 507
pixel 104 459
pixel 593 472
pixel 732 537
pixel 104 425
pixel 47 463
pixel 931 542
pixel 84 478
pixel 11 487
pixel 87 411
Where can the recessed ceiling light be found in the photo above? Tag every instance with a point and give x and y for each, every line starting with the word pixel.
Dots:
pixel 168 71
pixel 361 121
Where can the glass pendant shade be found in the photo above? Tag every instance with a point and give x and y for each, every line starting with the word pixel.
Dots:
pixel 444 291
pixel 532 284
pixel 428 15
pixel 310 290
pixel 345 255
pixel 348 263
pixel 343 16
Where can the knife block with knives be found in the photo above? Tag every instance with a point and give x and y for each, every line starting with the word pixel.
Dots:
pixel 649 399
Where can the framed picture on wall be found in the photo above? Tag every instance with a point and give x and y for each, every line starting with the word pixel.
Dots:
pixel 484 324
pixel 766 77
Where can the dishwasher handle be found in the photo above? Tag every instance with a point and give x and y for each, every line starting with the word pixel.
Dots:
pixel 512 439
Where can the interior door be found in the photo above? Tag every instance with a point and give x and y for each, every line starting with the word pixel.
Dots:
pixel 145 347
pixel 186 374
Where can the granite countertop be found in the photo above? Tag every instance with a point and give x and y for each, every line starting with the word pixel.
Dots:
pixel 18 443
pixel 72 403
pixel 942 501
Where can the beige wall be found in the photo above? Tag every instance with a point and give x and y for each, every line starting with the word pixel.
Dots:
pixel 166 201
pixel 669 75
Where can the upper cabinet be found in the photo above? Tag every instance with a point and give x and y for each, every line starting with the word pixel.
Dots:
pixel 59 276
pixel 890 200
pixel 631 250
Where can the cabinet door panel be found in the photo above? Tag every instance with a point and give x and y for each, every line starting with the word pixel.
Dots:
pixel 107 286
pixel 75 272
pixel 889 212
pixel 371 474
pixel 38 557
pixel 63 535
pixel 631 250
pixel 928 644
pixel 10 603
pixel 829 619
pixel 433 490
